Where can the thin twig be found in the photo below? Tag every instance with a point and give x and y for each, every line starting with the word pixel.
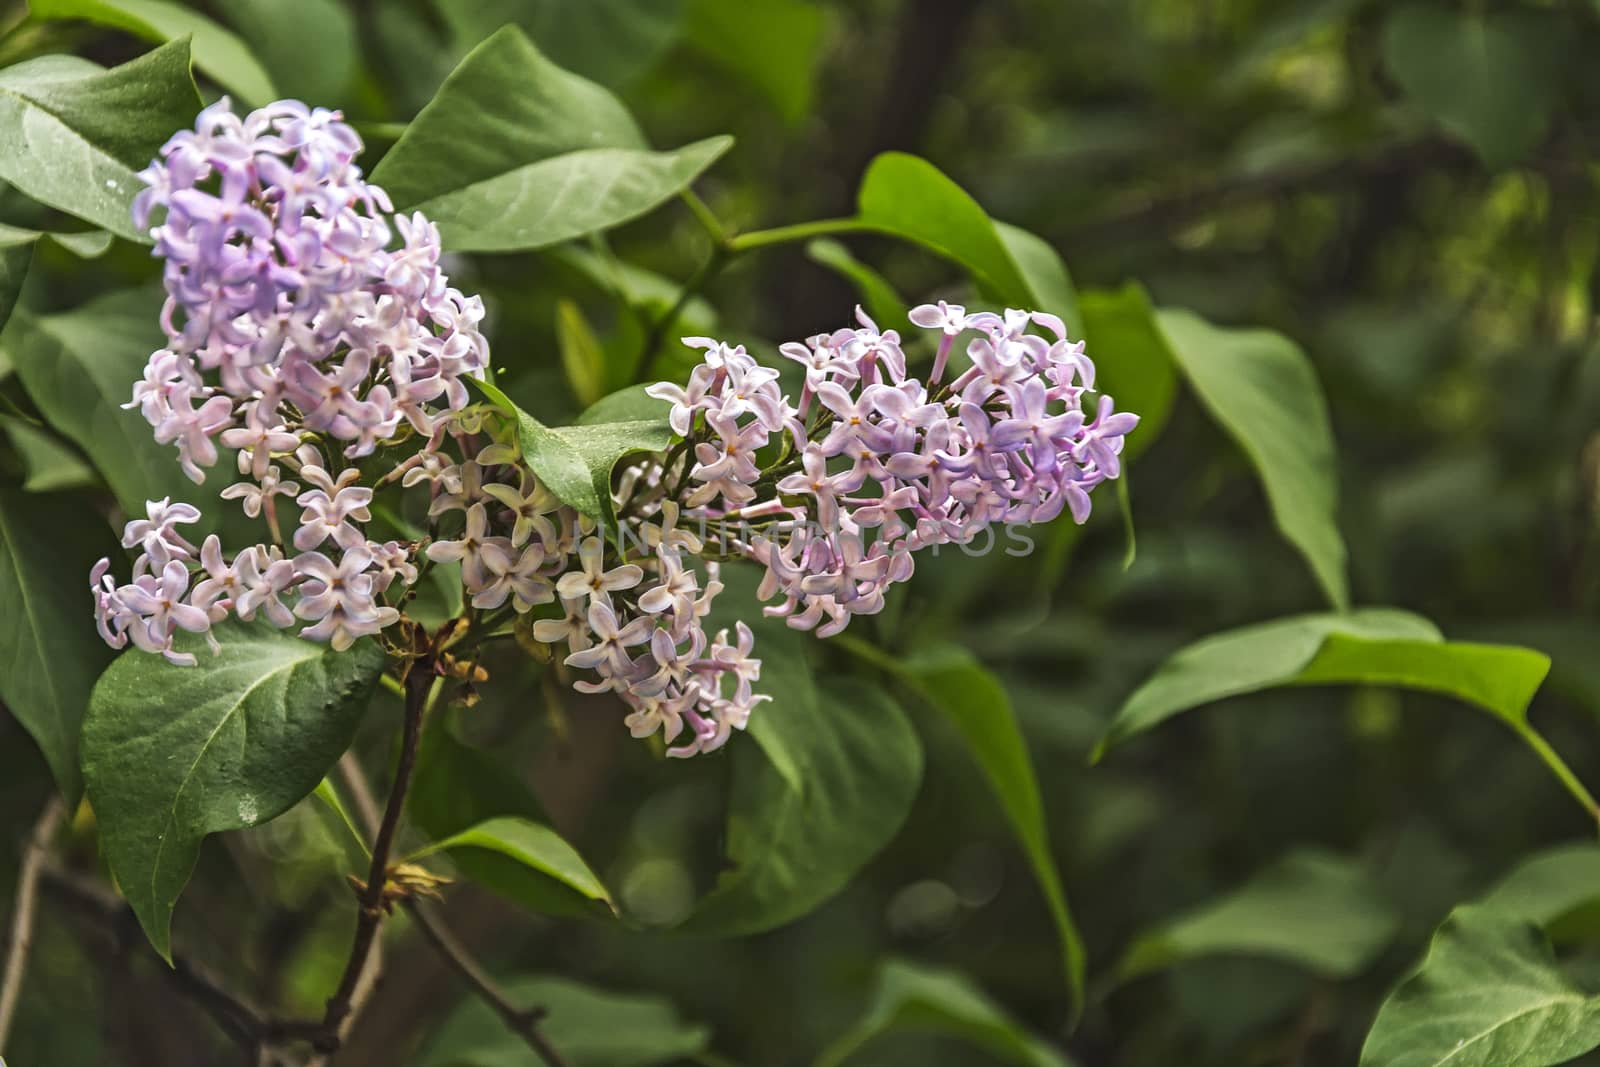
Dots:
pixel 23 911
pixel 522 1022
pixel 232 1013
pixel 342 1005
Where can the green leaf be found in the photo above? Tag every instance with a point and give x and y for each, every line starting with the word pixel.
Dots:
pixel 15 258
pixel 625 405
pixel 566 196
pixel 48 646
pixel 1488 994
pixel 1554 889
pixel 85 244
pixel 920 997
pixel 1311 909
pixel 575 462
pixel 951 680
pixel 516 153
pixel 79 367
pixel 587 1026
pixel 1248 660
pixel 1045 274
pixel 773 46
pixel 217 51
pixel 609 41
pixel 49 464
pixel 458 787
pixel 885 305
pixel 1262 390
pixel 581 354
pixel 313 66
pixel 534 847
pixel 171 754
pixel 74 137
pixel 796 839
pixel 1490 77
pixel 1133 364
pixel 910 198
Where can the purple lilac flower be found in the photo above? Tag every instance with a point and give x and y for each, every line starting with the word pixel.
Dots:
pixel 887 464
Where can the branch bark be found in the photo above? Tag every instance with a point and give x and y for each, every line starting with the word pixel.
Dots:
pixel 235 1015
pixel 359 980
pixel 522 1022
pixel 24 911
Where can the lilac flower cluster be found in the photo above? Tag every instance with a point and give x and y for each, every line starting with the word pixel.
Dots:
pixel 293 327
pixel 876 465
pixel 282 288
pixel 636 622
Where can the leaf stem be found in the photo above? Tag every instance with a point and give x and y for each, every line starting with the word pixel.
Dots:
pixel 1558 766
pixel 24 910
pixel 802 231
pixel 418 689
pixel 706 217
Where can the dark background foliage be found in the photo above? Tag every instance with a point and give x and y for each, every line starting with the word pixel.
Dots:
pixel 1288 164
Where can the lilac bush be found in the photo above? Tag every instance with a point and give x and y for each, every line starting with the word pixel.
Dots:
pixel 316 335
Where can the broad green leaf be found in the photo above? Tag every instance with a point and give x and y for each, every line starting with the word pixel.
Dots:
pixel 773 46
pixel 581 353
pixel 1501 679
pixel 1311 909
pixel 79 367
pixel 74 138
pixel 921 997
pixel 15 258
pixel 1133 364
pixel 50 654
pixel 1248 660
pixel 506 104
pixel 610 41
pixel 1045 273
pixel 1491 78
pixel 589 1027
pixel 885 306
pixel 459 787
pixel 217 51
pixel 625 405
pixel 171 754
pixel 1260 387
pixel 516 153
pixel 910 198
pixel 1555 889
pixel 858 762
pixel 1488 994
pixel 531 845
pixel 313 66
pixel 576 462
pixel 49 465
pixel 85 244
pixel 566 196
pixel 949 679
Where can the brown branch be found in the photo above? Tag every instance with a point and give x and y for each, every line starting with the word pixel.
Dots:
pixel 522 1022
pixel 235 1015
pixel 358 979
pixel 23 911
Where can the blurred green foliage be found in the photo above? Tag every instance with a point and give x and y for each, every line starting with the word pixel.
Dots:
pixel 1404 192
